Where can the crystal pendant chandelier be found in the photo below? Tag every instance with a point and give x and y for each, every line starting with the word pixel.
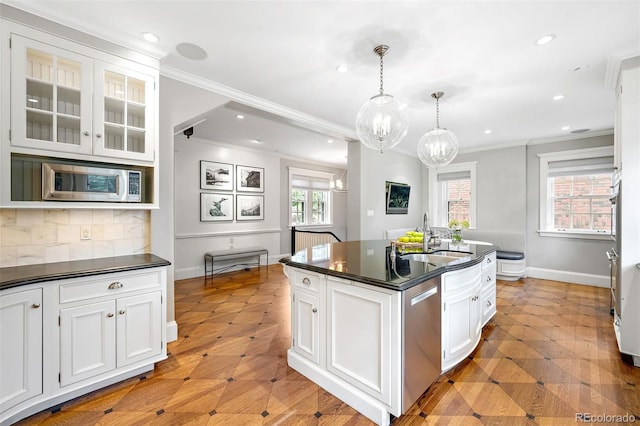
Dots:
pixel 382 122
pixel 438 147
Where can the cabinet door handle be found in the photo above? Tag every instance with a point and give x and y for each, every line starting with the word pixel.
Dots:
pixel 489 260
pixel 85 133
pixel 116 284
pixel 35 306
pixel 488 278
pixel 306 281
pixel 314 310
pixel 488 302
pixel 109 315
pixel 99 135
pixel 121 311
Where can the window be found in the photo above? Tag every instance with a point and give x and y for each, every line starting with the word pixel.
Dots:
pixel 452 193
pixel 310 199
pixel 575 191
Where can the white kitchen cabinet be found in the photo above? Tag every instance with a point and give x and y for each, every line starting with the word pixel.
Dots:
pixel 359 326
pixel 100 337
pixel 20 347
pixel 93 331
pixel 67 98
pixel 87 341
pixel 461 314
pixel 306 324
pixel 488 289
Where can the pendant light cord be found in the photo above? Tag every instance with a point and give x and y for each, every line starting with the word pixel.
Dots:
pixel 381 69
pixel 437 113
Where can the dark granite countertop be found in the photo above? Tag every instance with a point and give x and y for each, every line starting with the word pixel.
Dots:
pixel 21 275
pixel 368 262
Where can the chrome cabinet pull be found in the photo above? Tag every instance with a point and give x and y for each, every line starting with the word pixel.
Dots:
pixel 314 310
pixel 99 135
pixel 35 306
pixel 109 315
pixel 121 312
pixel 306 281
pixel 116 284
pixel 488 302
pixel 85 133
pixel 488 278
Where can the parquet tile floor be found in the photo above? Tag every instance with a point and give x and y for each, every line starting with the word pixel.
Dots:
pixel 548 354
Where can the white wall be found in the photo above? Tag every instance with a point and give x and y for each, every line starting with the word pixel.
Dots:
pixel 193 238
pixel 548 254
pixel 178 103
pixel 371 170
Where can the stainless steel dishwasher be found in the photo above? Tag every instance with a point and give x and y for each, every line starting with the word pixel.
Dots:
pixel 421 342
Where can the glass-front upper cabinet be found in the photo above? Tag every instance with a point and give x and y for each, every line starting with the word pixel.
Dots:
pixel 124 112
pixel 51 97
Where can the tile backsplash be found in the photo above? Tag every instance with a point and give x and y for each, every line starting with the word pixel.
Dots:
pixel 31 236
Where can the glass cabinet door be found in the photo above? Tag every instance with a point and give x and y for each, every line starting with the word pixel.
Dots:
pixel 51 97
pixel 124 113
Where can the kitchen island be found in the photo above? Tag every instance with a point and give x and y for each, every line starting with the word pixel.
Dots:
pixel 377 331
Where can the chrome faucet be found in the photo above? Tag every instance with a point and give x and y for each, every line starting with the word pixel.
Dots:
pixel 426 232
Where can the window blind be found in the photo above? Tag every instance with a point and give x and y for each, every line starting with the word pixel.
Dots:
pixel 314 183
pixel 582 166
pixel 444 177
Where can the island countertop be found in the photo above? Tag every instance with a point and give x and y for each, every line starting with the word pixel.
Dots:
pixel 367 261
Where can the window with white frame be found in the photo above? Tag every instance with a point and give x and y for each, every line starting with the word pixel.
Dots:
pixel 310 197
pixel 575 191
pixel 452 194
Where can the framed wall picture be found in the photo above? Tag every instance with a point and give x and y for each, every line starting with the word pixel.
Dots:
pixel 249 179
pixel 216 207
pixel 397 198
pixel 217 176
pixel 250 207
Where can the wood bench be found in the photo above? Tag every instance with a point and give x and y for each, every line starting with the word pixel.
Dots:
pixel 232 254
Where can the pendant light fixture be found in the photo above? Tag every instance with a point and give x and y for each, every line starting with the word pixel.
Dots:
pixel 382 122
pixel 438 147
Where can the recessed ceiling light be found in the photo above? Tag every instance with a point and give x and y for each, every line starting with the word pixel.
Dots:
pixel 239 116
pixel 545 39
pixel 487 132
pixel 342 68
pixel 150 37
pixel 330 141
pixel 257 141
pixel 565 128
pixel 558 97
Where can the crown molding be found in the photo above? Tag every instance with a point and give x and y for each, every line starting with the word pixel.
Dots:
pixel 614 62
pixel 585 135
pixel 296 117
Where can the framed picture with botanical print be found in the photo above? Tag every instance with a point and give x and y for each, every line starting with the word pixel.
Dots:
pixel 250 207
pixel 216 207
pixel 216 176
pixel 249 179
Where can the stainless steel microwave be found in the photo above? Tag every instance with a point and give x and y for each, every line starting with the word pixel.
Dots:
pixel 64 182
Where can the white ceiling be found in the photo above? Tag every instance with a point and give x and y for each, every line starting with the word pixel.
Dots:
pixel 481 54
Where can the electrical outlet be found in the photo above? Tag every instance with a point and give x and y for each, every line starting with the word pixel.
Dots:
pixel 85 232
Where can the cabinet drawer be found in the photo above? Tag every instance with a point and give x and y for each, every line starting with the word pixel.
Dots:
pixel 461 280
pixel 308 280
pixel 107 285
pixel 488 279
pixel 489 261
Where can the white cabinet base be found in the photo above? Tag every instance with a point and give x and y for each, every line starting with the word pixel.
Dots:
pixel 38 404
pixel 366 405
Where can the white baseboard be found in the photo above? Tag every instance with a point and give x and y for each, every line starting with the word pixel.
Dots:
pixel 172 331
pixel 569 277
